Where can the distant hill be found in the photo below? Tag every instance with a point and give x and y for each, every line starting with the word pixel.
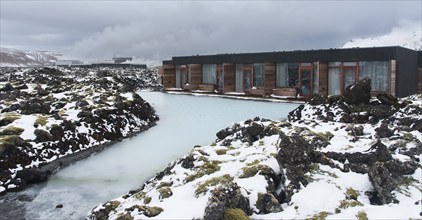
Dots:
pixel 19 58
pixel 408 39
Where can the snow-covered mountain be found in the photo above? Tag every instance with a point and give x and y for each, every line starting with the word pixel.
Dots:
pixel 19 58
pixel 406 36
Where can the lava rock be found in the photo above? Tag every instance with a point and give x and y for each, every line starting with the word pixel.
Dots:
pixel 383 131
pixel 7 88
pixel 42 136
pixel 57 132
pixel 81 103
pixel 267 203
pixel 358 92
pixel 255 129
pixel 32 175
pixel 417 125
pixel 187 162
pixel 387 99
pixel 382 181
pixel 223 197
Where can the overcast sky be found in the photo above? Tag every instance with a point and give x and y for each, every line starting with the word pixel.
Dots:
pixel 153 31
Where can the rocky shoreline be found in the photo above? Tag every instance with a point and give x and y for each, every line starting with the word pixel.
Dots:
pixel 351 157
pixel 53 117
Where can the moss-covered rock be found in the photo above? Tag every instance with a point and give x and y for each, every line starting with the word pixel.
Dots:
pixel 235 214
pixel 251 171
pixel 203 187
pixel 361 215
pixel 165 192
pixel 207 168
pixel 11 130
pixel 267 203
pixel 319 216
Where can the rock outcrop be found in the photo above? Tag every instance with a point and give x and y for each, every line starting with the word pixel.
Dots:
pixel 50 114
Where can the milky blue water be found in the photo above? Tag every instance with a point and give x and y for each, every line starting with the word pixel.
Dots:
pixel 185 121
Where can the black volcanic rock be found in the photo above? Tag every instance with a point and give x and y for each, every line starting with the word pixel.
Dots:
pixel 358 93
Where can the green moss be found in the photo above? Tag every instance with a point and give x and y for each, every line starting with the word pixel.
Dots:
pixel 11 130
pixel 213 144
pixel 112 205
pixel 324 136
pixel 352 193
pixel 202 158
pixel 344 204
pixel 261 143
pixel 313 168
pixel 125 216
pixel 165 192
pixel 235 214
pixel 202 152
pixel 221 151
pixel 405 182
pixel 142 195
pixel 164 184
pixel 8 141
pixel 203 187
pixel 207 168
pixel 408 136
pixel 251 171
pixel 41 120
pixel 9 117
pixel 62 113
pixel 255 162
pixel 362 215
pixel 150 211
pixel 320 216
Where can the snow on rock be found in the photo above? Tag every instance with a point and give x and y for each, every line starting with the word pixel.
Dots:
pixel 48 114
pixel 329 160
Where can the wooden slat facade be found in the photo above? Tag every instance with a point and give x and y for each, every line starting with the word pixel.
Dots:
pixel 420 80
pixel 269 78
pixel 195 76
pixel 229 77
pixel 169 75
pixel 323 78
pixel 393 78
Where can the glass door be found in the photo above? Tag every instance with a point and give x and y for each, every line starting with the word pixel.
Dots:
pixel 239 78
pixel 220 77
pixel 306 82
pixel 247 74
pixel 349 76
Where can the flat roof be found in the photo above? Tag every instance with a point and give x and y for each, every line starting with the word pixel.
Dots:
pixel 334 54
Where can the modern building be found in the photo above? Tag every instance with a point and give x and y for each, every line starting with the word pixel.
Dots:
pixel 395 70
pixel 116 62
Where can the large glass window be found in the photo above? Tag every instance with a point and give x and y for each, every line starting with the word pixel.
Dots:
pixel 220 75
pixel 209 74
pixel 378 72
pixel 185 73
pixel 334 80
pixel 258 75
pixel 293 77
pixel 178 83
pixel 239 78
pixel 282 76
pixel 315 78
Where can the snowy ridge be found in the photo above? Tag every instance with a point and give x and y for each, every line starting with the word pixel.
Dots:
pixel 315 165
pixel 18 58
pixel 406 36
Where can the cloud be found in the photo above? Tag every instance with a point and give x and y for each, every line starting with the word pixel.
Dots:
pixel 153 31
